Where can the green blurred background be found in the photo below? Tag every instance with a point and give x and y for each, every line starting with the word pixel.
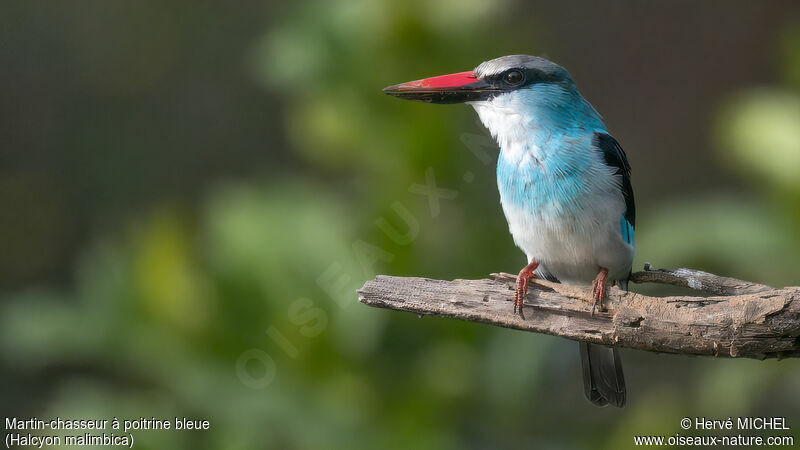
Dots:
pixel 191 193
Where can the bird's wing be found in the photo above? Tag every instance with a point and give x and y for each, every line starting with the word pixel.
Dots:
pixel 603 380
pixel 615 157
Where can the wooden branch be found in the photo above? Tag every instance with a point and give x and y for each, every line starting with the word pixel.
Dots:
pixel 740 319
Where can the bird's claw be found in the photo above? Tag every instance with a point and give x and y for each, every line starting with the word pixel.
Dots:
pixel 519 294
pixel 520 290
pixel 598 291
pixel 518 309
pixel 521 286
pixel 595 303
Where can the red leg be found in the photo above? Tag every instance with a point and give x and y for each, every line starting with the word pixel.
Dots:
pixel 599 288
pixel 521 287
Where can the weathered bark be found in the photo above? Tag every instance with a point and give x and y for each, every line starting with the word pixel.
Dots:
pixel 741 319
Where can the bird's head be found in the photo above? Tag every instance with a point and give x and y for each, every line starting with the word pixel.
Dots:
pixel 500 78
pixel 514 97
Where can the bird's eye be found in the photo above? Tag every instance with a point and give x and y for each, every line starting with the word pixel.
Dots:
pixel 514 77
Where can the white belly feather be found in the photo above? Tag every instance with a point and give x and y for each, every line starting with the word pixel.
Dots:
pixel 574 247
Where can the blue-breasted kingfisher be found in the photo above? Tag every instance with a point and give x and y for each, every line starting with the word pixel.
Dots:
pixel 564 183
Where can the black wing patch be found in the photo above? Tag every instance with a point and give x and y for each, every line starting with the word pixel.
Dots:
pixel 615 157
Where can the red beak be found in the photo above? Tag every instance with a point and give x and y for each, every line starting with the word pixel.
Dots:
pixel 454 88
pixel 453 80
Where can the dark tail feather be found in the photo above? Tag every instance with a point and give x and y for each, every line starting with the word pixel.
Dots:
pixel 603 381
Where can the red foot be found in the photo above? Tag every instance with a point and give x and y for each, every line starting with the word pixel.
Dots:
pixel 521 287
pixel 599 289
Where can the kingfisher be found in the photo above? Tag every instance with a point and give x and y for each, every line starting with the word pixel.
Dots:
pixel 564 182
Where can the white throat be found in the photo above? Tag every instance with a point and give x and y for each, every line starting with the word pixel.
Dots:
pixel 512 130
